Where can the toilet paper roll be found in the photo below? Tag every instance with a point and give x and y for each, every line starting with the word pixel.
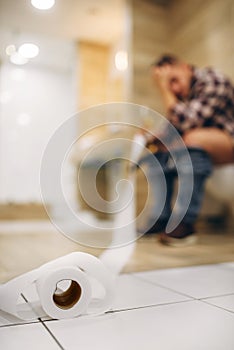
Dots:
pixel 80 270
pixel 70 303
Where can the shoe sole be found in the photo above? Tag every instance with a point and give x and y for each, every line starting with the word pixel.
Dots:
pixel 181 242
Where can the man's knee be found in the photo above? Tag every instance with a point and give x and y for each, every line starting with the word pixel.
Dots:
pixel 192 138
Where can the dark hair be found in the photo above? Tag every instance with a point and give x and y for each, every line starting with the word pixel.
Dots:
pixel 165 59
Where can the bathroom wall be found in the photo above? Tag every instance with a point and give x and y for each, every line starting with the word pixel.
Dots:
pixel 98 78
pixel 200 32
pixel 34 100
pixel 99 83
pixel 93 73
pixel 149 40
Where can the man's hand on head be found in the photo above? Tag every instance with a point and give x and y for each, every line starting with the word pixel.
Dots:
pixel 162 76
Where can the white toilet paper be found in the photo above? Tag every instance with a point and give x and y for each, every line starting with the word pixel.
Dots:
pixel 124 221
pixel 84 272
pixel 81 269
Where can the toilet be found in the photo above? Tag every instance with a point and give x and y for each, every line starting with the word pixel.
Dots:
pixel 221 185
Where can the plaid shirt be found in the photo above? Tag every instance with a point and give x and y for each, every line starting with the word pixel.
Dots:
pixel 210 103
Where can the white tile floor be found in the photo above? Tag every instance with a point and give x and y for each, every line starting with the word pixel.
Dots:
pixel 188 308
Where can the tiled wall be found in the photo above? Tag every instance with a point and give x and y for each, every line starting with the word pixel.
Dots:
pixel 200 32
pixel 149 40
pixel 95 83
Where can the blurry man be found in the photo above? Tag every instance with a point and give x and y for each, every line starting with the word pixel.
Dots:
pixel 200 105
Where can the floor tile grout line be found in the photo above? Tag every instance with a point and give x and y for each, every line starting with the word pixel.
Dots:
pixel 193 298
pixel 51 334
pixel 134 308
pixel 205 300
pixel 187 295
pixel 217 306
pixel 148 306
pixel 165 287
pixel 19 324
pixel 33 309
pixel 25 299
pixel 44 325
pixel 22 323
pixel 217 296
pixel 126 310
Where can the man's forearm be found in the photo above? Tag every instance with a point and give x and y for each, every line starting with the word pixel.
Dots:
pixel 169 98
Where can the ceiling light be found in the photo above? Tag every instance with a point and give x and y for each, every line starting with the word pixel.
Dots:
pixel 121 60
pixel 43 4
pixel 28 50
pixel 16 58
pixel 10 49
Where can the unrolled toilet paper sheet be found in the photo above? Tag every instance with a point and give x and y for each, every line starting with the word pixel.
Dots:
pixel 90 280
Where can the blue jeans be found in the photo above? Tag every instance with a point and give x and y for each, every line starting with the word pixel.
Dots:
pixel 193 170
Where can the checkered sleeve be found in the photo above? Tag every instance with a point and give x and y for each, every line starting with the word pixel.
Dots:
pixel 206 101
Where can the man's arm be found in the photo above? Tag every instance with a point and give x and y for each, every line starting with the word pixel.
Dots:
pixel 198 111
pixel 162 77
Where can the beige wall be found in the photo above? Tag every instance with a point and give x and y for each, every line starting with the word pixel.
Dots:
pixel 149 40
pixel 98 82
pixel 199 31
pixel 202 32
pixel 96 85
pixel 92 73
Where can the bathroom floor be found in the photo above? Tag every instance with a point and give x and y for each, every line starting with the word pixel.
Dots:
pixel 166 299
